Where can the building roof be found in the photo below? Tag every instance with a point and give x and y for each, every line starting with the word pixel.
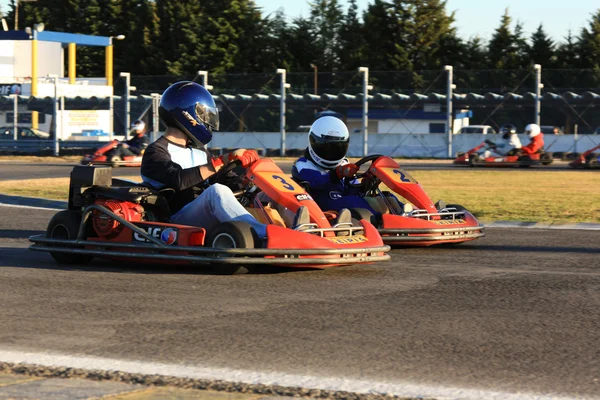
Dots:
pixel 61 37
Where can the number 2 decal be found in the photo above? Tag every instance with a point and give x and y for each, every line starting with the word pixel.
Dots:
pixel 284 183
pixel 403 177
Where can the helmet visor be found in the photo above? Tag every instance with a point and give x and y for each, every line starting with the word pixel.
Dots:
pixel 329 148
pixel 209 116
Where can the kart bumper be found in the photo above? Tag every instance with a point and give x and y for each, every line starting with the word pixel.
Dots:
pixel 319 258
pixel 457 227
pixel 428 237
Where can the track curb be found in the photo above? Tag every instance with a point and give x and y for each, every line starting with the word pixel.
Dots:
pixel 22 201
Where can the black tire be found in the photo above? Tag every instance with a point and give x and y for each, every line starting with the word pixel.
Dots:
pixel 115 161
pixel 231 235
pixel 363 213
pixel 592 162
pixel 65 225
pixel 473 159
pixel 524 161
pixel 546 158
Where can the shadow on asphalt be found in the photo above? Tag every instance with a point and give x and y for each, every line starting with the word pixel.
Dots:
pixel 527 249
pixel 18 234
pixel 24 258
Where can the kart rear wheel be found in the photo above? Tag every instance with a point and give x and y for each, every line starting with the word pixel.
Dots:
pixel 231 235
pixel 65 225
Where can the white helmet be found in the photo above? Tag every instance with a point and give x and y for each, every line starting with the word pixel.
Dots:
pixel 138 127
pixel 328 141
pixel 532 130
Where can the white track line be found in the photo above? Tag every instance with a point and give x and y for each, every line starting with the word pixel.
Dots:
pixel 30 207
pixel 267 378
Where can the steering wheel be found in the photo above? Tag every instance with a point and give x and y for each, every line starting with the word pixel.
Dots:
pixel 223 172
pixel 217 177
pixel 348 181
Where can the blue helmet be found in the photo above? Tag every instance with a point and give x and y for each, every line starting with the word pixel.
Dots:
pixel 191 108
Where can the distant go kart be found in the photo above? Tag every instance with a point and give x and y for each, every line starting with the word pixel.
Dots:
pixel 473 158
pixel 101 156
pixel 117 219
pixel 588 159
pixel 418 222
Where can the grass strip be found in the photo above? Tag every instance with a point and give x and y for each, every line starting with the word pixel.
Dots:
pixel 514 195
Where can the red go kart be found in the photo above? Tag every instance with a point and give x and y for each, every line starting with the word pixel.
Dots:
pixel 417 221
pixel 102 156
pixel 588 159
pixel 474 159
pixel 117 219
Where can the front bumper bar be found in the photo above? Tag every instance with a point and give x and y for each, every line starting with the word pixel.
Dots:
pixel 454 234
pixel 207 255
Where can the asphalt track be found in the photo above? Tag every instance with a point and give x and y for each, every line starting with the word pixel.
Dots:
pixel 513 315
pixel 29 170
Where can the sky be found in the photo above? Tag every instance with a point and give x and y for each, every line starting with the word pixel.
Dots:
pixel 478 17
pixel 482 17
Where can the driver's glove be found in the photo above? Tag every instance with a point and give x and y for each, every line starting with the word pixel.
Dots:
pixel 346 171
pixel 246 157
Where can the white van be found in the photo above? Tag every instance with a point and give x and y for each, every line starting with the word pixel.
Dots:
pixel 482 129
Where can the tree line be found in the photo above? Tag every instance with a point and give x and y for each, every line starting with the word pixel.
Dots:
pixel 178 38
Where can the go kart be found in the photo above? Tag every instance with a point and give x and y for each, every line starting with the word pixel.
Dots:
pixel 417 221
pixel 118 219
pixel 103 156
pixel 473 158
pixel 587 159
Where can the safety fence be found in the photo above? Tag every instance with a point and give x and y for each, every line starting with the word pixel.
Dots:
pixel 268 143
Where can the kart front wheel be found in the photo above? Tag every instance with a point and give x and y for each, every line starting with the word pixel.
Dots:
pixel 231 235
pixel 546 158
pixel 115 161
pixel 65 226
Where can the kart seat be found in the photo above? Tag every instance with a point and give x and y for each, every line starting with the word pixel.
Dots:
pixel 139 193
pixel 132 193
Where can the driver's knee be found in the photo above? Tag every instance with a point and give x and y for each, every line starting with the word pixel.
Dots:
pixel 219 192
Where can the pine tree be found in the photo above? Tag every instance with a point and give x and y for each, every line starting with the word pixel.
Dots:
pixel 352 40
pixel 589 44
pixel 380 36
pixel 502 49
pixel 567 55
pixel 326 17
pixel 542 50
pixel 180 39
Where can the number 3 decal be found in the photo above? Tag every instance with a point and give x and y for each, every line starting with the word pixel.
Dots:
pixel 403 177
pixel 284 183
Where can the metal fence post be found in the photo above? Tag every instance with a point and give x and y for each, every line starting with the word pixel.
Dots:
pixel 55 113
pixel 155 117
pixel 111 119
pixel 538 92
pixel 15 115
pixel 204 81
pixel 62 115
pixel 449 97
pixel 365 107
pixel 284 85
pixel 126 123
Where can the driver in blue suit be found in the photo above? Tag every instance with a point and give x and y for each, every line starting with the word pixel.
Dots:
pixel 324 166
